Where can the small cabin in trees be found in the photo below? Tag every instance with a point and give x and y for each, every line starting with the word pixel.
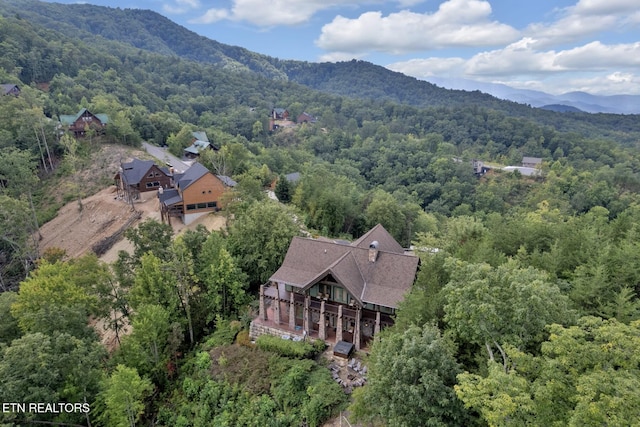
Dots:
pixel 279 114
pixel 10 89
pixel 139 176
pixel 196 192
pixel 199 143
pixel 531 162
pixel 306 118
pixel 336 291
pixel 83 121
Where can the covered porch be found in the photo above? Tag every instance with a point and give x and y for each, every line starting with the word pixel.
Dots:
pixel 300 315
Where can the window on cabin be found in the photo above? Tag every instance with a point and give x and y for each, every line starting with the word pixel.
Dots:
pixel 202 205
pixel 191 207
pixel 212 204
pixel 325 290
pixel 340 294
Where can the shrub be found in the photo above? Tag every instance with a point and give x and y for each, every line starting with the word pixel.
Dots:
pixel 243 338
pixel 297 350
pixel 224 334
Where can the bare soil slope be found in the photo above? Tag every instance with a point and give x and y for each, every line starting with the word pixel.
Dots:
pixel 103 215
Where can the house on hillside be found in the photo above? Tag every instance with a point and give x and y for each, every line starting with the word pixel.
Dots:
pixel 292 178
pixel 10 89
pixel 199 143
pixel 139 176
pixel 531 162
pixel 196 192
pixel 306 118
pixel 279 114
pixel 85 119
pixel 335 290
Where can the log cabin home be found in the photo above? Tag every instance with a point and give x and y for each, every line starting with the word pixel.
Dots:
pixel 336 291
pixel 78 124
pixel 10 89
pixel 306 118
pixel 139 176
pixel 196 192
pixel 199 143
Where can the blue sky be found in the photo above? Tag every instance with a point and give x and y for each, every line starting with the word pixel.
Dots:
pixel 553 46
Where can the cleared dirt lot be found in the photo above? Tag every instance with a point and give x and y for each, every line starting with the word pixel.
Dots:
pixel 103 215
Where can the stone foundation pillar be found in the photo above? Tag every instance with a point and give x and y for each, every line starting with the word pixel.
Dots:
pixel 339 324
pixel 322 332
pixel 306 323
pixel 376 329
pixel 276 308
pixel 262 310
pixel 356 331
pixel 292 312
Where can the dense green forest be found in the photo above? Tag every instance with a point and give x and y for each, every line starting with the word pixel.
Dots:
pixel 525 310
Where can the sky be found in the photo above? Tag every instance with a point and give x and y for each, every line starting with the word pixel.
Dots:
pixel 553 46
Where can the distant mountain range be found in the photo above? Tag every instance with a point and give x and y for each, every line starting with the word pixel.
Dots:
pixel 102 27
pixel 616 104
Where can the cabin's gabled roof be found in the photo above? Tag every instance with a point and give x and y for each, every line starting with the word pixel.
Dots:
pixel 66 119
pixel 8 87
pixel 383 281
pixel 191 175
pixel 134 171
pixel 226 180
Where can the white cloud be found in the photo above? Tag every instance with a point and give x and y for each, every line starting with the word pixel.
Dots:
pixel 522 57
pixel 278 12
pixel 596 84
pixel 338 57
pixel 594 67
pixel 598 56
pixel 180 6
pixel 586 18
pixel 211 16
pixel 456 23
pixel 604 7
pixel 428 67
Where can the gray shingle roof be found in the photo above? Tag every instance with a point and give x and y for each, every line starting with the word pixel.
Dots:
pixel 134 171
pixel 383 282
pixel 7 87
pixel 170 197
pixel 292 177
pixel 191 175
pixel 227 180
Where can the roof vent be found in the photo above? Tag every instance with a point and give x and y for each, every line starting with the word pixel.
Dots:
pixel 373 245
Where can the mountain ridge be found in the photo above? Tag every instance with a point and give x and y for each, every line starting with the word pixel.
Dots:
pixel 590 103
pixel 149 31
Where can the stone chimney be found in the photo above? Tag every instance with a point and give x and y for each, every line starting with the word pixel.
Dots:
pixel 373 251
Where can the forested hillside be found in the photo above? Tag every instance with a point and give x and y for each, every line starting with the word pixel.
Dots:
pixel 356 79
pixel 525 310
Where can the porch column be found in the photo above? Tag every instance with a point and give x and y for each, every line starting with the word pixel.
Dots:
pixel 307 314
pixel 356 331
pixel 276 307
pixel 376 329
pixel 322 333
pixel 262 310
pixel 292 312
pixel 339 324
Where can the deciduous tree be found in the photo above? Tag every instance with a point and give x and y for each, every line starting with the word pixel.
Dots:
pixel 410 381
pixel 123 397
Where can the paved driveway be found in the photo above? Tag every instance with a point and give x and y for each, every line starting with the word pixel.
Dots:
pixel 165 156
